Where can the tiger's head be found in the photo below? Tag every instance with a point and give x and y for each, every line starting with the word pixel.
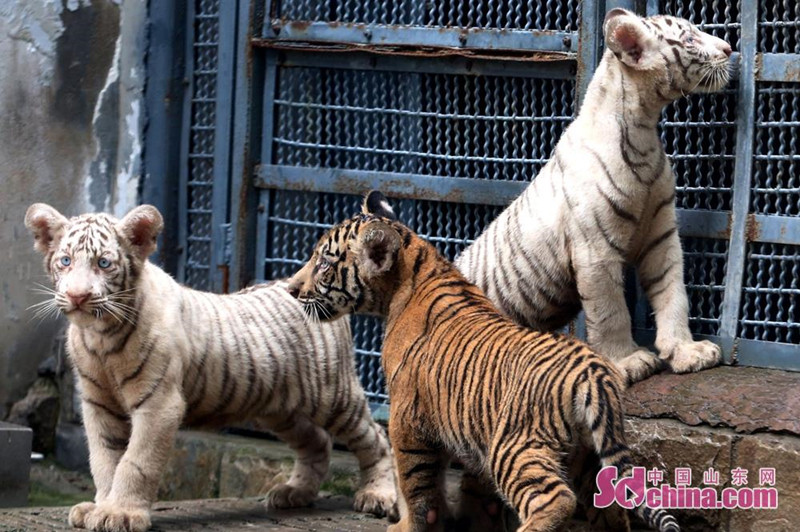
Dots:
pixel 94 260
pixel 350 268
pixel 670 55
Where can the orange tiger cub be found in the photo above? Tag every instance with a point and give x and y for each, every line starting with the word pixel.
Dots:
pixel 466 381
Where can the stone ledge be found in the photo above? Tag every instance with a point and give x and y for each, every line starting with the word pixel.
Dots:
pixel 746 400
pixel 667 444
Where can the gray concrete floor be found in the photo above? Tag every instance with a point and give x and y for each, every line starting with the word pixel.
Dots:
pixel 235 515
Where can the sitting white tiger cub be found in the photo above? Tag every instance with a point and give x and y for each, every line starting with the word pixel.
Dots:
pixel 150 354
pixel 606 198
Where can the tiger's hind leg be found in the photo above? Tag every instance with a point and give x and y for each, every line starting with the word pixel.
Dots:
pixel 480 507
pixel 420 472
pixel 529 475
pixel 353 426
pixel 313 447
pixel 583 468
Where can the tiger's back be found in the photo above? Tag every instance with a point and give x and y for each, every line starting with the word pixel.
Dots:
pixel 457 368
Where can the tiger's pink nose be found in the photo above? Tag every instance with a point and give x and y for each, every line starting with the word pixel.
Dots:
pixel 77 299
pixel 726 48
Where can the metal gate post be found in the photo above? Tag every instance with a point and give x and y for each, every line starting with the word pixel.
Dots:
pixel 183 177
pixel 164 99
pixel 220 226
pixel 267 121
pixel 590 39
pixel 247 148
pixel 745 126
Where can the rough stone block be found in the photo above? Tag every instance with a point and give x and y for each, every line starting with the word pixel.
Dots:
pixel 192 471
pixel 246 473
pixel 15 466
pixel 72 451
pixel 770 451
pixel 39 411
pixel 667 444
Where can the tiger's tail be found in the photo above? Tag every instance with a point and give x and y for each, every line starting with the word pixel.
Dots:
pixel 598 405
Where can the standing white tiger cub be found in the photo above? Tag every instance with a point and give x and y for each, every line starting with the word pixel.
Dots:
pixel 606 198
pixel 150 354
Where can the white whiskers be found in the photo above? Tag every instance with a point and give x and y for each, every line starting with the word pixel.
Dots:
pixel 50 307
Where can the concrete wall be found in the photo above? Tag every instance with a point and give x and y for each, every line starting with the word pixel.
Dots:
pixel 71 121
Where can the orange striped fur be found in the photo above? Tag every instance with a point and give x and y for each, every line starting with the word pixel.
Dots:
pixel 466 381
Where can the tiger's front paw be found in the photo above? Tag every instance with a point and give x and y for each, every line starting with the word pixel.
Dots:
pixel 112 517
pixel 379 501
pixel 78 513
pixel 288 496
pixel 688 357
pixel 639 365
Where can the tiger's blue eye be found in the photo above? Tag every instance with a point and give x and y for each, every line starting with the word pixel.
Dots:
pixel 66 261
pixel 103 263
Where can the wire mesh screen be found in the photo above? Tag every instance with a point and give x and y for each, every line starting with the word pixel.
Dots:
pixel 549 15
pixel 427 124
pixel 771 303
pixel 699 136
pixel 699 131
pixel 201 144
pixel 779 31
pixel 776 163
pixel 705 262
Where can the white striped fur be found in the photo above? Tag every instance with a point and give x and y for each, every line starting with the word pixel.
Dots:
pixel 606 199
pixel 151 355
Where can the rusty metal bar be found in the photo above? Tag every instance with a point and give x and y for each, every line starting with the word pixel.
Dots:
pixel 435 188
pixel 548 68
pixel 778 67
pixel 377 35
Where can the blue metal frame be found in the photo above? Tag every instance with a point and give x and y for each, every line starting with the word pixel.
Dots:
pixel 258 47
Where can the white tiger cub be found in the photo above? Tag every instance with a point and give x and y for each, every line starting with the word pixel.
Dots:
pixel 606 198
pixel 150 355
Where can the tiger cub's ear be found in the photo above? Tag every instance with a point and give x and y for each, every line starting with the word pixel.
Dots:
pixel 141 228
pixel 47 226
pixel 377 204
pixel 629 39
pixel 377 248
